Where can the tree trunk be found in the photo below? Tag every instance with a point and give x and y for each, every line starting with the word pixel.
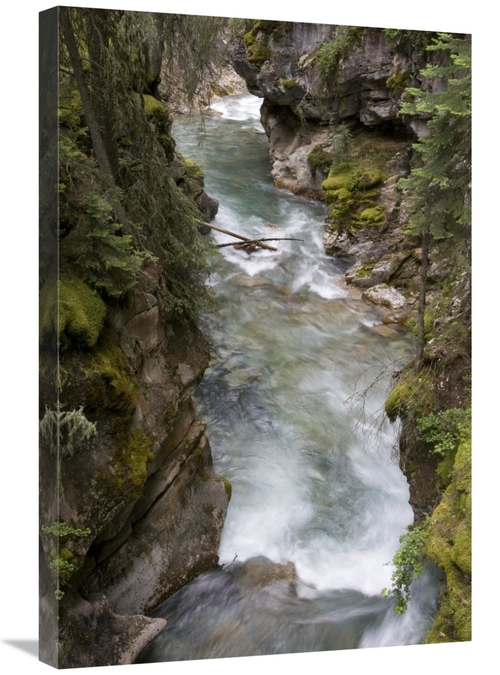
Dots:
pixel 419 354
pixel 90 116
pixel 104 105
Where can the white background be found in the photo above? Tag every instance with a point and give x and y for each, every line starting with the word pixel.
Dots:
pixel 19 331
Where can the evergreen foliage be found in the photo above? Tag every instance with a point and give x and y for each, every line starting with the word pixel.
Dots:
pixel 408 40
pixel 119 206
pixel 439 191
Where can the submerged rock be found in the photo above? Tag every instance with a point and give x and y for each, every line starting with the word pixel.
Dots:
pixel 260 572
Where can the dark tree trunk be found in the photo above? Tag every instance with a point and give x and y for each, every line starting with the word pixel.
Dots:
pixel 88 109
pixel 98 37
pixel 419 354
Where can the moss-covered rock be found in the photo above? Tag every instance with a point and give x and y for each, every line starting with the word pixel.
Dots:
pixel 413 390
pixel 112 384
pixel 72 311
pixel 158 114
pixel 256 43
pixel 449 547
pixel 228 486
pixel 369 178
pixel 320 158
pixel 287 84
pixel 129 473
pixel 371 216
pixel 345 179
pixel 398 81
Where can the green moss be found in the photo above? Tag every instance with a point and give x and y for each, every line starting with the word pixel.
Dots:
pixel 156 109
pixel 449 547
pixel 114 386
pixel 352 176
pixel 369 178
pixel 205 477
pixel 342 195
pixel 129 467
pixel 412 391
pixel 344 180
pixel 461 553
pixel 249 38
pixel 365 271
pixel 320 158
pixel 287 84
pixel 255 41
pixel 445 470
pixel 191 168
pixel 158 114
pixel 372 215
pixel 65 553
pixel 228 486
pixel 72 311
pixel 398 81
pixel 259 53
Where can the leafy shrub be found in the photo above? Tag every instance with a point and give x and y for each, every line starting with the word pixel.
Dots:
pixel 63 562
pixel 409 564
pixel 444 429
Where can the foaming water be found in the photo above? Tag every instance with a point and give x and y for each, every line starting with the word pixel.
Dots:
pixel 316 487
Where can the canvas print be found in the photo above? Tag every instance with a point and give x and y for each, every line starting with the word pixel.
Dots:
pixel 255 330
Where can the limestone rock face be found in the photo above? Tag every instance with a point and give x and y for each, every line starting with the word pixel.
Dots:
pixel 301 113
pixel 142 506
pixel 103 637
pixel 360 85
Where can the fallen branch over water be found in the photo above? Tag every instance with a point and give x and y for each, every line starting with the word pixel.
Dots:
pixel 257 242
pixel 249 245
pixel 237 236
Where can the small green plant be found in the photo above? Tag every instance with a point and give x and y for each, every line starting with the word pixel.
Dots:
pixel 409 564
pixel 444 429
pixel 63 531
pixel 63 561
pixel 331 52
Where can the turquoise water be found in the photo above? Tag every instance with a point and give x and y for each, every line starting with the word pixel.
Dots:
pixel 314 470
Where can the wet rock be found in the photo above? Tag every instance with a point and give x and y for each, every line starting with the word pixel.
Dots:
pixel 251 282
pixel 154 563
pixel 208 207
pixel 364 275
pixel 385 296
pixel 260 572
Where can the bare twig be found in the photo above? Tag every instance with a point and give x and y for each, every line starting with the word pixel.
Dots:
pixel 377 419
pixel 227 566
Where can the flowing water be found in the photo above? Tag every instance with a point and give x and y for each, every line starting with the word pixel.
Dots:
pixel 312 466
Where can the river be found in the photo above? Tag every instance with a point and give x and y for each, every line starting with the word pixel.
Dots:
pixel 318 500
